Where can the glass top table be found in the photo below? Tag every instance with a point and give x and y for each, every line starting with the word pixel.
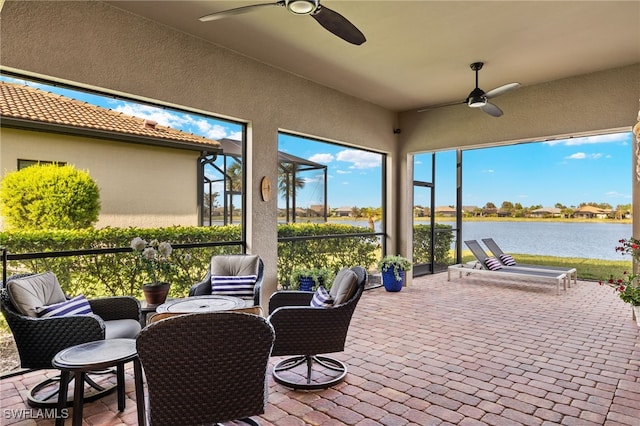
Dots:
pixel 208 303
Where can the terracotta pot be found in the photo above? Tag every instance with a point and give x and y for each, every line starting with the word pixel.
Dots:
pixel 156 294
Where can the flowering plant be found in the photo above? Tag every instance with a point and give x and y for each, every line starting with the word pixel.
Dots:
pixel 630 246
pixel 627 287
pixel 154 256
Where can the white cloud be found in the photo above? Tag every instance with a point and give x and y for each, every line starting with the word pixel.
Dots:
pixel 359 159
pixel 624 138
pixel 175 120
pixel 616 194
pixel 583 156
pixel 321 158
pixel 343 172
pixel 488 171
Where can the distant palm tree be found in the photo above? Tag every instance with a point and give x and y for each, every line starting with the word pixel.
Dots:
pixel 289 183
pixel 234 184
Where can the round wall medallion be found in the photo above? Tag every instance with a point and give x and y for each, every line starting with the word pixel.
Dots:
pixel 266 188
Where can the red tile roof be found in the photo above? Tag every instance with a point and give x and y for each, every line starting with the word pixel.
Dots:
pixel 27 103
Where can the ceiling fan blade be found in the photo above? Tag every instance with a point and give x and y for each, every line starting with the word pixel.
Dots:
pixel 501 90
pixel 491 109
pixel 237 11
pixel 338 25
pixel 429 108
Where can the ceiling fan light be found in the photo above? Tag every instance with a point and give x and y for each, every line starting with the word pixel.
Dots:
pixel 477 101
pixel 302 7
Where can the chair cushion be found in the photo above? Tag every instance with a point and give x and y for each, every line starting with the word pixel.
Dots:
pixel 507 259
pixel 236 285
pixel 344 286
pixel 234 265
pixel 28 293
pixel 492 263
pixel 121 329
pixel 321 298
pixel 78 305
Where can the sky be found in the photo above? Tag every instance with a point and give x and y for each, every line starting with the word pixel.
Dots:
pixel 589 169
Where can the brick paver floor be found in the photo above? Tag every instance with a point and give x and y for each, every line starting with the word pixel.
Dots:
pixel 472 351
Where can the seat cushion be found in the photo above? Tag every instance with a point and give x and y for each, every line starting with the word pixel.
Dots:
pixel 344 286
pixel 121 329
pixel 34 291
pixel 234 265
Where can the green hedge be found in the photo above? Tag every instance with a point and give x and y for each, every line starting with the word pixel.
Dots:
pixel 333 253
pixel 106 274
pixel 422 248
pixel 115 274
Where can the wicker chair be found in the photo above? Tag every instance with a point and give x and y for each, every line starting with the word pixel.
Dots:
pixel 206 368
pixel 305 332
pixel 232 265
pixel 39 339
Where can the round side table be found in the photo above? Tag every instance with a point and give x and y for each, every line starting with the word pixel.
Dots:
pixel 97 355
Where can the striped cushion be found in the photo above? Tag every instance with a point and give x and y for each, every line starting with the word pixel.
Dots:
pixel 79 305
pixel 507 259
pixel 322 298
pixel 233 285
pixel 492 263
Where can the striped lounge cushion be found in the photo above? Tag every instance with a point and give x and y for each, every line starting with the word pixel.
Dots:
pixel 492 263
pixel 234 285
pixel 79 305
pixel 322 298
pixel 507 259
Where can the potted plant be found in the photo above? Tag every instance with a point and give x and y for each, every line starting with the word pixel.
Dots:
pixel 306 279
pixel 627 287
pixel 154 258
pixel 393 268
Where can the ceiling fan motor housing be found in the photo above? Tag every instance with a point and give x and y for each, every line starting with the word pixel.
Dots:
pixel 477 98
pixel 302 7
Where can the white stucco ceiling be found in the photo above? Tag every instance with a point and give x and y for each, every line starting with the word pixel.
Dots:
pixel 418 53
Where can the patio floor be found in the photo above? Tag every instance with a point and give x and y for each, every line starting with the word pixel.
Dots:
pixel 472 351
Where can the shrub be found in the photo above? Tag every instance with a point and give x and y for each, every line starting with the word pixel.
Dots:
pixel 422 246
pixel 49 197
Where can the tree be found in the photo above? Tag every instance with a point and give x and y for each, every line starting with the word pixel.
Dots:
pixel 372 214
pixel 234 184
pixel 49 197
pixel 289 183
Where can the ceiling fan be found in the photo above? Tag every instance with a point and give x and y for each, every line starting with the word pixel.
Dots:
pixel 330 20
pixel 478 98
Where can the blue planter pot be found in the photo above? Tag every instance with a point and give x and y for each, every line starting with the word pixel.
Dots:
pixel 389 280
pixel 306 283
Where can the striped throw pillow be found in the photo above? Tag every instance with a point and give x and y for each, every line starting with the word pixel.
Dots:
pixel 233 285
pixel 492 263
pixel 322 298
pixel 507 259
pixel 79 305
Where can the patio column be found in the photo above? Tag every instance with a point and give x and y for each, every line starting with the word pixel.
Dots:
pixel 636 187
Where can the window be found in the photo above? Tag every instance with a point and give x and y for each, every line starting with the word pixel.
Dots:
pixel 26 163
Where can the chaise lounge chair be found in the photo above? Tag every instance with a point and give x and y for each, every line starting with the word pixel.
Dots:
pixel 490 266
pixel 507 260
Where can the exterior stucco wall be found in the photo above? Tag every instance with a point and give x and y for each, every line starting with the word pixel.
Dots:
pixel 134 180
pixel 100 46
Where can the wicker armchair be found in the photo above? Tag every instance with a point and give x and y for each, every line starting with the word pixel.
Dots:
pixel 232 265
pixel 206 368
pixel 39 339
pixel 306 332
